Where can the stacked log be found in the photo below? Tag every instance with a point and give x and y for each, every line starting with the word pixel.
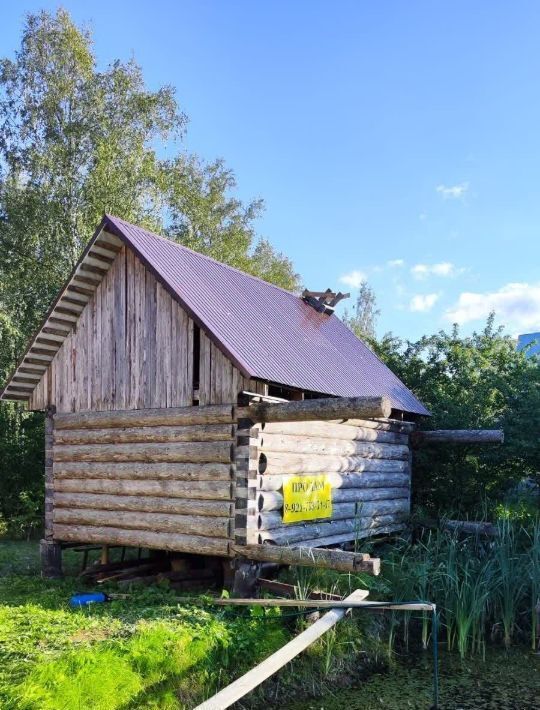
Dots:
pixel 148 478
pixel 366 462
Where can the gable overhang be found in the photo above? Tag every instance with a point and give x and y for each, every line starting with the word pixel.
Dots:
pixel 63 315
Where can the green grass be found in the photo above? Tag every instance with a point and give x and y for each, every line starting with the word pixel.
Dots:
pixel 148 651
pixel 153 651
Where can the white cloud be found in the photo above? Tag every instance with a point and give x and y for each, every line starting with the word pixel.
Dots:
pixel 423 302
pixel 517 305
pixel 453 192
pixel 395 263
pixel 353 278
pixel 444 269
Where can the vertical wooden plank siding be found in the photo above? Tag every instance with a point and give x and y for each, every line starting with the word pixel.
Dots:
pixel 132 348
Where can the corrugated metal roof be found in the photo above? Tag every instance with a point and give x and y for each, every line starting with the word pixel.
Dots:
pixel 270 334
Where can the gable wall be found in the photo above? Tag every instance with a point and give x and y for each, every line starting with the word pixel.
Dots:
pixel 132 348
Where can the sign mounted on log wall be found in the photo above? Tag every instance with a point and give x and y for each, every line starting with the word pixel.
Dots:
pixel 306 498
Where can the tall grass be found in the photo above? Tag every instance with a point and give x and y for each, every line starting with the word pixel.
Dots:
pixel 485 588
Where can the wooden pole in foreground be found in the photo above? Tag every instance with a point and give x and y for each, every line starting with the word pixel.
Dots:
pixel 346 603
pixel 243 685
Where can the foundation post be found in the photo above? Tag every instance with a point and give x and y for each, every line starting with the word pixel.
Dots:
pixel 50 551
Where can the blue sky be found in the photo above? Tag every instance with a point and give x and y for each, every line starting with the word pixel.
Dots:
pixel 397 141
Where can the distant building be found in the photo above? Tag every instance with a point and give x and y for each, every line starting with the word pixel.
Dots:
pixel 526 339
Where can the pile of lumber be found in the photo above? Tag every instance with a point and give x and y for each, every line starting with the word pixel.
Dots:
pixel 181 573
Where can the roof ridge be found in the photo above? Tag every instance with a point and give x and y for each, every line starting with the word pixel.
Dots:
pixel 203 256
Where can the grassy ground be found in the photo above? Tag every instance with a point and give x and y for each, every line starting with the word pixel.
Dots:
pixel 148 651
pixel 154 650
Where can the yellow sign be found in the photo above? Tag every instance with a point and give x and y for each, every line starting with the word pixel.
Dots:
pixel 306 498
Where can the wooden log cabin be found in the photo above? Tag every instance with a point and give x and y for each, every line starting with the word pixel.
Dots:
pixel 191 407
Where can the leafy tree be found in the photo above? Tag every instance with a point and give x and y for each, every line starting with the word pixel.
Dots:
pixel 479 381
pixel 76 142
pixel 363 319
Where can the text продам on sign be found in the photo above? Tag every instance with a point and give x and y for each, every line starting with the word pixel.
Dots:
pixel 306 498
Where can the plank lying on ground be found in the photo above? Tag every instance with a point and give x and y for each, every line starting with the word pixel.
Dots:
pixel 213 414
pixel 321 603
pixel 289 590
pixel 329 559
pixel 457 436
pixel 470 527
pixel 317 409
pixel 229 695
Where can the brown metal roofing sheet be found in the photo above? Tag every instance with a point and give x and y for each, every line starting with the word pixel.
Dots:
pixel 270 333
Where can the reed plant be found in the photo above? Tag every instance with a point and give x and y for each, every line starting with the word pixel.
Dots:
pixel 484 587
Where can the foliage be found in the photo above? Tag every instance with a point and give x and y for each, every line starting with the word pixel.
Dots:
pixel 363 319
pixel 477 381
pixel 486 588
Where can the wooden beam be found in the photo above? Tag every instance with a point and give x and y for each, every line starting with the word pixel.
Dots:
pixel 311 557
pixel 317 409
pixel 457 436
pixel 229 695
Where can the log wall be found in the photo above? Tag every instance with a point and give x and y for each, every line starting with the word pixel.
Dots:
pixel 367 464
pixel 161 478
pixel 131 347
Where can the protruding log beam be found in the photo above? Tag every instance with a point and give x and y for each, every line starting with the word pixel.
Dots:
pixel 457 436
pixel 317 409
pixel 470 527
pixel 311 557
